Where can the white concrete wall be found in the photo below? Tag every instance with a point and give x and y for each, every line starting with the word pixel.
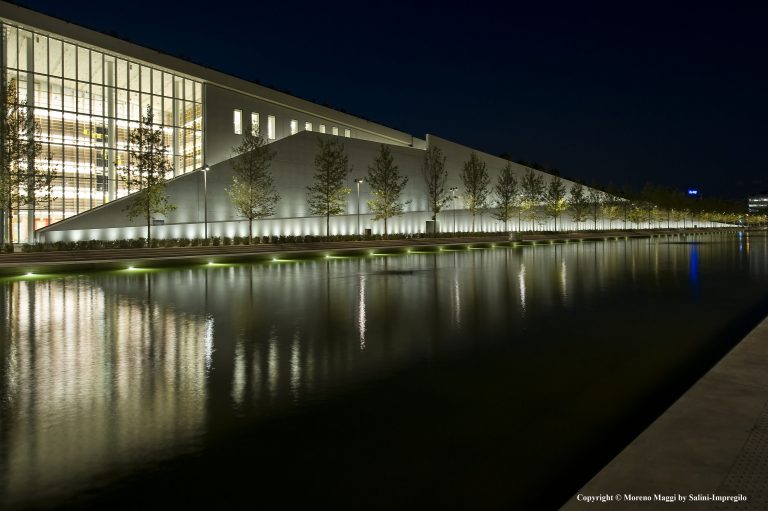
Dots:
pixel 220 137
pixel 293 170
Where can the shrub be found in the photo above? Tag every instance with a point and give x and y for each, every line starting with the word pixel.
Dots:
pixel 226 240
pixel 216 241
pixel 195 242
pixel 26 247
pixel 205 242
pixel 183 242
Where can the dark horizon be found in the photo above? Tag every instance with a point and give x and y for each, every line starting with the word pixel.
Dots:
pixel 670 96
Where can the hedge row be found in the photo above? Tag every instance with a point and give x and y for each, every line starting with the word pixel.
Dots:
pixel 215 241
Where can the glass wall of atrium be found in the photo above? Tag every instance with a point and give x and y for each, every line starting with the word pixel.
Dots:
pixel 85 103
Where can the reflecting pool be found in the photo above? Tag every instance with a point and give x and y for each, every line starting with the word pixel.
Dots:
pixel 489 378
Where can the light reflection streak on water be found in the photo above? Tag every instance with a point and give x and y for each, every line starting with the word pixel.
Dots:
pixel 563 279
pixel 521 284
pixel 361 312
pixel 456 301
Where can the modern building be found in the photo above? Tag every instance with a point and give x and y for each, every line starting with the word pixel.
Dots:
pixel 88 90
pixel 758 204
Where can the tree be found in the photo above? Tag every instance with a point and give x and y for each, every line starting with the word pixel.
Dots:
pixel 579 203
pixel 21 180
pixel 328 194
pixel 435 176
pixel 637 213
pixel 612 212
pixel 507 196
pixel 387 185
pixel 554 198
pixel 474 176
pixel 595 201
pixel 253 192
pixel 532 188
pixel 147 170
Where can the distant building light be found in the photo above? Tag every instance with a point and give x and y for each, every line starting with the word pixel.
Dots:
pixel 692 192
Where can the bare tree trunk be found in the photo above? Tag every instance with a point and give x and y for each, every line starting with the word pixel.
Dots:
pixel 386 233
pixel 250 231
pixel 327 225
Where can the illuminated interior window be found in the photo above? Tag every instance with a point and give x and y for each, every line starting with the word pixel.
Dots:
pixel 335 131
pixel 307 126
pixel 254 122
pixel 322 128
pixel 347 133
pixel 294 126
pixel 271 127
pixel 238 119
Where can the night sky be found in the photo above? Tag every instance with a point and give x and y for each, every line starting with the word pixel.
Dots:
pixel 621 95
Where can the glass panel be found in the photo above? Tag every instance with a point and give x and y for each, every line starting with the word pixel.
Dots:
pixel 168 111
pixel 157 108
pixel 11 51
pixel 168 85
pixel 134 106
pixel 122 73
pixel 25 40
pixel 254 122
pixel 83 64
pixel 308 126
pixel 146 79
pixel 157 83
pixel 41 54
pixel 122 104
pixel 322 128
pixel 238 122
pixel 146 100
pixel 198 92
pixel 294 126
pixel 347 133
pixel 335 131
pixel 41 91
pixel 189 92
pixel 97 100
pixel 70 61
pixel 97 71
pixel 83 98
pixel 54 57
pixel 133 76
pixel 56 94
pixel 70 93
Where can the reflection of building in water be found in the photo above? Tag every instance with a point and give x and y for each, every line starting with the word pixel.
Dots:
pixel 94 382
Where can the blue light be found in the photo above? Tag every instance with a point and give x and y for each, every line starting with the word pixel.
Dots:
pixel 693 192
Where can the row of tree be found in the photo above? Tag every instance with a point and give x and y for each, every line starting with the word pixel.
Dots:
pixel 254 195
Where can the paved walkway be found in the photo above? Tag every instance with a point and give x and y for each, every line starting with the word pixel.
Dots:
pixel 712 441
pixel 105 259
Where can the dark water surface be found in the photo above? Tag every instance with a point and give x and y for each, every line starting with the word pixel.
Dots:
pixel 500 378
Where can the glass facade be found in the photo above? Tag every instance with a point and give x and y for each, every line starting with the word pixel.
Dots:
pixel 86 102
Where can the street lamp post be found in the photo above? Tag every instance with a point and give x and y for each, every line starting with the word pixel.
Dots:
pixel 358 181
pixel 205 199
pixel 453 200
